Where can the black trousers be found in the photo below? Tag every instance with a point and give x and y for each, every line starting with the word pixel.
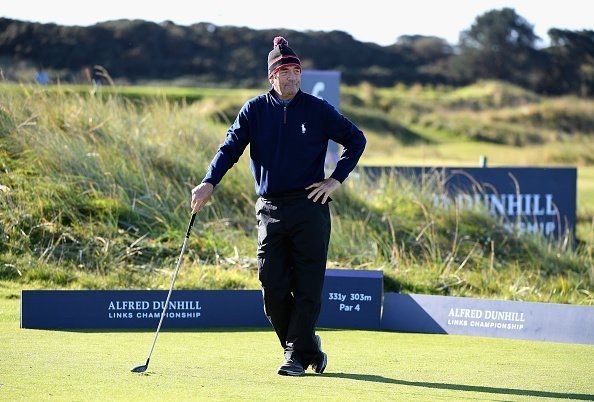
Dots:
pixel 293 237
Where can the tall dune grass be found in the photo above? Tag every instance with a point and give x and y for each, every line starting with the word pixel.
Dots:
pixel 95 194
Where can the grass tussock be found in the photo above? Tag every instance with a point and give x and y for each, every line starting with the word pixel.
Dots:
pixel 96 190
pixel 488 111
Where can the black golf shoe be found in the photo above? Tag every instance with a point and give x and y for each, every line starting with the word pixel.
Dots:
pixel 291 367
pixel 319 362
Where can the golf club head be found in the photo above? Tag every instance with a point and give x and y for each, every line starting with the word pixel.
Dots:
pixel 139 369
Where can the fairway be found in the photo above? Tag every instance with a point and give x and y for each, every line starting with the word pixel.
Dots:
pixel 240 364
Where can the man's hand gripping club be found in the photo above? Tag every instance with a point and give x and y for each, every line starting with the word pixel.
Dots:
pixel 200 196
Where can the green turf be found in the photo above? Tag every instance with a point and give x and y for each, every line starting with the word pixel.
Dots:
pixel 241 365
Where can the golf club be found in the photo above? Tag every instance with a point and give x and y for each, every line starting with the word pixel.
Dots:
pixel 142 368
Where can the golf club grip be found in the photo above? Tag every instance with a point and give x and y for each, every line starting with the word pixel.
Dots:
pixel 190 225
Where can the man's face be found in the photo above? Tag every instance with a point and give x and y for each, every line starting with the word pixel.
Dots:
pixel 286 81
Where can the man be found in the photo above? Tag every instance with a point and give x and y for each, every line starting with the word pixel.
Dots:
pixel 288 132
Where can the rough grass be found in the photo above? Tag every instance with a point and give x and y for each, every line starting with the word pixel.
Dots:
pixel 488 111
pixel 96 194
pixel 218 364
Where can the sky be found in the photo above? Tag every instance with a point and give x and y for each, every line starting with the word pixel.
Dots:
pixel 378 21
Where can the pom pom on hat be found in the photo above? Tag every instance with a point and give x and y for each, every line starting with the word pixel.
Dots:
pixel 281 55
pixel 279 40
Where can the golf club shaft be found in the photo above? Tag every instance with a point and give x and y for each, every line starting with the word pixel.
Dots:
pixel 171 287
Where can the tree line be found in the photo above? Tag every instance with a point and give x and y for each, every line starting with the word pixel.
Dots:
pixel 500 44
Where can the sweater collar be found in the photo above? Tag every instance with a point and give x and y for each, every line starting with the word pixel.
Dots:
pixel 277 100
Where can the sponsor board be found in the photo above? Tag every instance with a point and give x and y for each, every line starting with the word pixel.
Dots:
pixel 76 309
pixel 325 85
pixel 351 299
pixel 528 199
pixel 490 318
pixel 322 84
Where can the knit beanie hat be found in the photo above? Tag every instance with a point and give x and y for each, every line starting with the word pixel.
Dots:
pixel 281 55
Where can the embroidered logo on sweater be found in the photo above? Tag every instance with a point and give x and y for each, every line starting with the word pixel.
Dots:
pixel 303 128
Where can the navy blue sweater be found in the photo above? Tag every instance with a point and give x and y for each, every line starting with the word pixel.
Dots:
pixel 287 142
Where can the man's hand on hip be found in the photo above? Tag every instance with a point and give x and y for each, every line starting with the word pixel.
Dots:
pixel 200 195
pixel 323 189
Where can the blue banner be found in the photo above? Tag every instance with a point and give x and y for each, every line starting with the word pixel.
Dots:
pixel 530 199
pixel 491 318
pixel 46 309
pixel 351 299
pixel 324 85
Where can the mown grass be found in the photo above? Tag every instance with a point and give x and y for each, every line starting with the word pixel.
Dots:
pixel 223 364
pixel 96 194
